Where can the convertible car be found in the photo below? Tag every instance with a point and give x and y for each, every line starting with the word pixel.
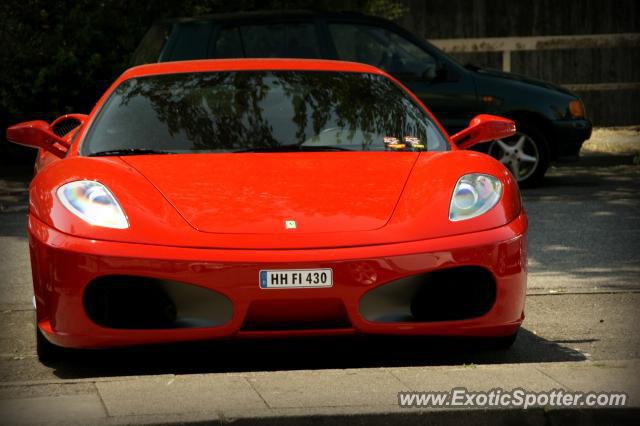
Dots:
pixel 245 198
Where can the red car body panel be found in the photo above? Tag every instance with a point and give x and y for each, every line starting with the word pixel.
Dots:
pixel 267 188
pixel 382 212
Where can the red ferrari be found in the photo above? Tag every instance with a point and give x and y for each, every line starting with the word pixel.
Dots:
pixel 245 198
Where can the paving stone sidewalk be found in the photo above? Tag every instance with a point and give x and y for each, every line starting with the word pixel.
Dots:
pixel 353 396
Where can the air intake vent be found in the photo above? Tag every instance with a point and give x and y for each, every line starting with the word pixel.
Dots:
pixel 63 127
pixel 128 302
pixel 445 295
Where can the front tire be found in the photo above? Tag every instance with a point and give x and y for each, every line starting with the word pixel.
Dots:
pixel 525 154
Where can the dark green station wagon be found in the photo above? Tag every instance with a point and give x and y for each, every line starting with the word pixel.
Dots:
pixel 551 121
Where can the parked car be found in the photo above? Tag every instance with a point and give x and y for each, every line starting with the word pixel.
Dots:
pixel 551 121
pixel 286 197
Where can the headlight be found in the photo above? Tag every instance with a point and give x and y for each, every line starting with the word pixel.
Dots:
pixel 474 195
pixel 92 202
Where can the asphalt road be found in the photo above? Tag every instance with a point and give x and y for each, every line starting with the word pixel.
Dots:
pixel 584 294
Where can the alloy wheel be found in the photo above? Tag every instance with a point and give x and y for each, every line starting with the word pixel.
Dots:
pixel 519 153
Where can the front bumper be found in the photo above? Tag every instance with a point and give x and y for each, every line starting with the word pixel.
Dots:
pixel 63 266
pixel 567 137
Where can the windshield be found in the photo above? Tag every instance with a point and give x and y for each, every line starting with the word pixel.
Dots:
pixel 260 111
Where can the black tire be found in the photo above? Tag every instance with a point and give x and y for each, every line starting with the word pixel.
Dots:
pixel 536 146
pixel 46 350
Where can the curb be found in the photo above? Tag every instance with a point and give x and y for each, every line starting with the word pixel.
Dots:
pixel 460 417
pixel 358 417
pixel 602 159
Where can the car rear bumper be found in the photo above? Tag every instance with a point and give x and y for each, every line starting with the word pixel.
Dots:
pixel 63 266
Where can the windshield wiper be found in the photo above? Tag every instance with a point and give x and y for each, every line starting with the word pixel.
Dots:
pixel 295 148
pixel 129 151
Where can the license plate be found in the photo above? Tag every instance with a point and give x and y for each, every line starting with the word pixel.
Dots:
pixel 296 278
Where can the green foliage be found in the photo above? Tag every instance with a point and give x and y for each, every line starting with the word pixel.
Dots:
pixel 60 56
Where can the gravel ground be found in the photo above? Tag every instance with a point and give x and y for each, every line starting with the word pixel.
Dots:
pixel 614 140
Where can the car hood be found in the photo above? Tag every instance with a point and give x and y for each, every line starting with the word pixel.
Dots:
pixel 255 193
pixel 521 78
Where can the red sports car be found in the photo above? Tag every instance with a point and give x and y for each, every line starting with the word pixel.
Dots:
pixel 243 198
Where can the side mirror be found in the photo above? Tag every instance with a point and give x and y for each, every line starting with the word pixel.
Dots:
pixel 38 134
pixel 435 72
pixel 430 73
pixel 484 128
